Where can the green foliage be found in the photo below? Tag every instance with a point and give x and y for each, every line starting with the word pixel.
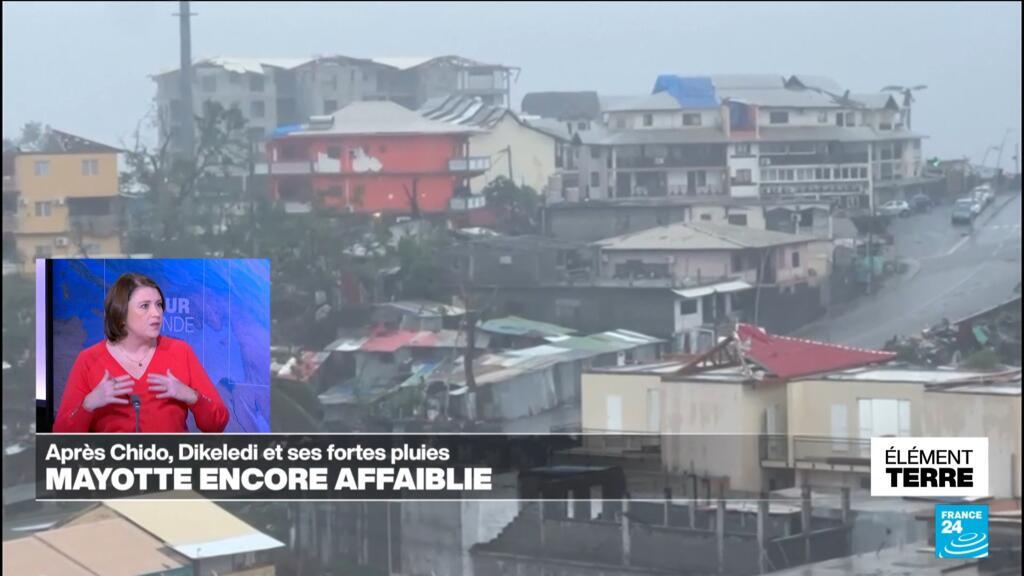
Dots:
pixel 986 359
pixel 517 207
pixel 19 318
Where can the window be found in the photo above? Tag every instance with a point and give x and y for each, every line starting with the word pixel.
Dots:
pixel 334 152
pixel 744 176
pixel 778 117
pixel 235 78
pixel 44 208
pixel 41 167
pixel 255 83
pixel 90 167
pixel 691 119
pixel 822 117
pixel 653 408
pixel 687 307
pixel 883 417
pixel 738 219
pixel 595 152
pixel 595 179
pixel 846 119
pixel 257 109
pixel 795 259
pixel 620 123
pixel 743 149
pixel 209 83
pixel 648 119
pixel 330 106
pixel 737 261
pixel 582 125
pixel 613 412
pixel 705 217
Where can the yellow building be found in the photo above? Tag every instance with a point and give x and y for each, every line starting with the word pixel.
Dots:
pixel 61 200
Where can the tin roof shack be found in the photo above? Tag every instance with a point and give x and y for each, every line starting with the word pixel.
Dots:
pixel 392 365
pixel 209 537
pixel 516 332
pixel 124 550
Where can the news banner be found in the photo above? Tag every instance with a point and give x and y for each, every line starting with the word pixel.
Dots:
pixel 284 467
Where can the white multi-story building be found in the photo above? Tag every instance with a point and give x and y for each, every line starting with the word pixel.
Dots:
pixel 276 92
pixel 758 136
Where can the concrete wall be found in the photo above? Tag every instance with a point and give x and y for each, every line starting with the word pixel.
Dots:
pixel 583 223
pixel 632 391
pixel 725 419
pixel 809 403
pixel 437 536
pixel 533 154
pixel 995 416
pixel 589 309
pixel 802 117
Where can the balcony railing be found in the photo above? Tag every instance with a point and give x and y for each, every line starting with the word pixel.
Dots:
pixel 291 167
pixel 10 222
pixel 774 448
pixel 829 450
pixel 670 161
pixel 812 159
pixel 470 164
pixel 95 225
pixel 815 450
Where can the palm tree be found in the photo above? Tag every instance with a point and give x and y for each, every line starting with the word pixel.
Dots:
pixel 908 96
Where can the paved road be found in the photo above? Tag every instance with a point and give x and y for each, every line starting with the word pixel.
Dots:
pixel 954 273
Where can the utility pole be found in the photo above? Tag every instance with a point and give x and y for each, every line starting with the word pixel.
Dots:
pixel 871 220
pixel 188 139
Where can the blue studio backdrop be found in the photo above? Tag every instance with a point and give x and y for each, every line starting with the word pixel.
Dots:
pixel 220 307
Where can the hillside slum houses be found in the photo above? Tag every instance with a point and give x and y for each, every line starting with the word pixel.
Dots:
pixel 507 373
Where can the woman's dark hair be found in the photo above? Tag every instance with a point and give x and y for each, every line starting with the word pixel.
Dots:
pixel 115 307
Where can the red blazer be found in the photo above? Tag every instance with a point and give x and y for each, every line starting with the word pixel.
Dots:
pixel 155 415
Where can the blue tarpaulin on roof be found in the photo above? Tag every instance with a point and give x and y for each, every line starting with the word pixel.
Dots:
pixel 689 91
pixel 282 130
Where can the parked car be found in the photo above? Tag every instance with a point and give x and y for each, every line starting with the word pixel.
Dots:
pixel 921 203
pixel 964 211
pixel 895 208
pixel 983 194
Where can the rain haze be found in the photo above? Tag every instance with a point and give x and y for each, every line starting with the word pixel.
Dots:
pixel 89 73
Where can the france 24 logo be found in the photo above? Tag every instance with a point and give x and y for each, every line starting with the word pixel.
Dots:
pixel 961 531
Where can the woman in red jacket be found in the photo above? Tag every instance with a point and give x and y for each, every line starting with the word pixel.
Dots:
pixel 137 380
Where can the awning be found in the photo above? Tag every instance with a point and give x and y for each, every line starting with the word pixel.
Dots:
pixel 721 288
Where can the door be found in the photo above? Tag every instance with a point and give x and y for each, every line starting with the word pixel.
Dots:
pixel 613 413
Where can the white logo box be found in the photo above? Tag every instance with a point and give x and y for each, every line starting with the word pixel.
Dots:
pixel 906 453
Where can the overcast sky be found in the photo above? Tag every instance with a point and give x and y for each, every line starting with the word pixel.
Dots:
pixel 83 67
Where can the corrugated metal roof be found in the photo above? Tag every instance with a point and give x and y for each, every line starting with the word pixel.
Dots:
pixel 659 101
pixel 244 544
pixel 517 326
pixel 719 288
pixel 778 98
pixel 123 549
pixel 381 117
pixel 31 555
pixel 701 236
pixel 186 522
pixel 788 357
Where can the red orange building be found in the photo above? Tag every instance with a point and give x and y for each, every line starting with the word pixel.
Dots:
pixel 374 157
